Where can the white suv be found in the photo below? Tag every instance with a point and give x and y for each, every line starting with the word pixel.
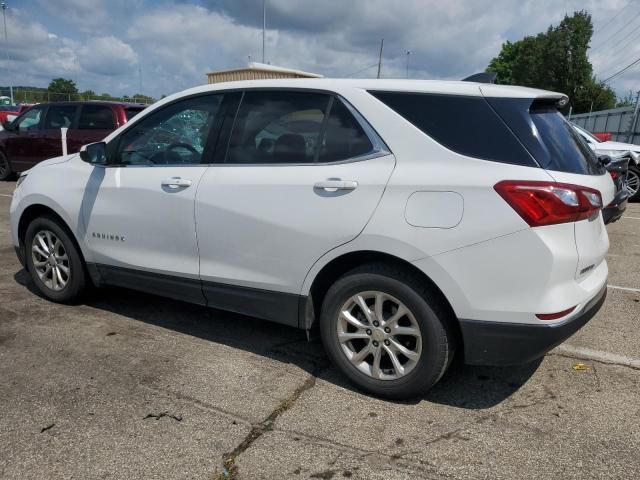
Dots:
pixel 407 220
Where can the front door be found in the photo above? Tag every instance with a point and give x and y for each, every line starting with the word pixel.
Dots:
pixel 139 214
pixel 300 177
pixel 24 141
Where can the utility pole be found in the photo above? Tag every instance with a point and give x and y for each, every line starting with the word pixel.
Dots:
pixel 140 80
pixel 409 52
pixel 6 43
pixel 634 119
pixel 264 25
pixel 380 58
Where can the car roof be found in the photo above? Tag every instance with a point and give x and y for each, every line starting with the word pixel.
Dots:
pixel 98 102
pixel 399 85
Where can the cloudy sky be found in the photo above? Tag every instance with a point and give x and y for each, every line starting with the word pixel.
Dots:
pixel 102 44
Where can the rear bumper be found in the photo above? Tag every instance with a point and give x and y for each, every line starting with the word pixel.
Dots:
pixel 501 343
pixel 615 209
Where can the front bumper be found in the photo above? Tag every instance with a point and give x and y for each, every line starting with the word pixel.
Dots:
pixel 501 343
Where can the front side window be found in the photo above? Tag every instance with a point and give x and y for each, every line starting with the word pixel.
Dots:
pixel 175 134
pixel 277 127
pixel 30 120
pixel 96 117
pixel 59 116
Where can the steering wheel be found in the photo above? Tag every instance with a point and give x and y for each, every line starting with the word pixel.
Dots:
pixel 173 146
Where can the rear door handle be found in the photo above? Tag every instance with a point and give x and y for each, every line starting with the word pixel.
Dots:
pixel 333 185
pixel 176 182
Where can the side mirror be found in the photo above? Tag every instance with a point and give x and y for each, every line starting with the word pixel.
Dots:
pixel 94 153
pixel 604 160
pixel 8 125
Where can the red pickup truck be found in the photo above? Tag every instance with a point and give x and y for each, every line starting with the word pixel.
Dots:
pixel 35 135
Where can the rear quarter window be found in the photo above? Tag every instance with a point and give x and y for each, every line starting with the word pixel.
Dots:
pixel 464 124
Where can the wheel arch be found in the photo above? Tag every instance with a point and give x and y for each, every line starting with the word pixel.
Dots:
pixel 36 210
pixel 342 264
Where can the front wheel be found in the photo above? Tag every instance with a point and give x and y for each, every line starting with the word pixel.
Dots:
pixel 54 261
pixel 386 332
pixel 5 167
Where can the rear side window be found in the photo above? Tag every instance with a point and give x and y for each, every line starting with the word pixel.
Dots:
pixel 277 127
pixel 465 124
pixel 59 116
pixel 132 112
pixel 344 137
pixel 96 117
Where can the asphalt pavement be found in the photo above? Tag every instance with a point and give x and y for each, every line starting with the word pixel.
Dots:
pixel 133 386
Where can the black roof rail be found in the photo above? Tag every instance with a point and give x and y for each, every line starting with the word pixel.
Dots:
pixel 482 77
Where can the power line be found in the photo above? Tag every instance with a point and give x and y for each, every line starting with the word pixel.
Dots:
pixel 620 72
pixel 612 19
pixel 614 34
pixel 621 47
pixel 362 70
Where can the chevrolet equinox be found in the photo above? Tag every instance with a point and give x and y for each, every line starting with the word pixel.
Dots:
pixel 405 221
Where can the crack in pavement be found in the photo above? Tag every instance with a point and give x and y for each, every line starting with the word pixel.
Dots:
pixel 230 471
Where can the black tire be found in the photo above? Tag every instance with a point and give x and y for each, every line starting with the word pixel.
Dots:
pixel 77 279
pixel 5 168
pixel 431 317
pixel 636 172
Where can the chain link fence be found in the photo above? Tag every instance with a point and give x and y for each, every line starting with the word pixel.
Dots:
pixel 44 96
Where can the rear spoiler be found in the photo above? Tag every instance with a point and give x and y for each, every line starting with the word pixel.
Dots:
pixel 482 77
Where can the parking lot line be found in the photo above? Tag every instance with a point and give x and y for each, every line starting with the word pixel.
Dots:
pixel 5 195
pixel 627 289
pixel 633 218
pixel 584 353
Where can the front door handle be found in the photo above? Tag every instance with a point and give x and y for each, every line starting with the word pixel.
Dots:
pixel 333 185
pixel 176 182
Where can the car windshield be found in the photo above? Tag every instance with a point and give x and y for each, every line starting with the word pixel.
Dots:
pixel 587 134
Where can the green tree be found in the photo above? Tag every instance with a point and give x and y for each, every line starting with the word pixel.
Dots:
pixel 62 85
pixel 556 60
pixel 629 100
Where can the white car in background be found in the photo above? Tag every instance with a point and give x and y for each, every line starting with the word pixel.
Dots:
pixel 405 220
pixel 616 150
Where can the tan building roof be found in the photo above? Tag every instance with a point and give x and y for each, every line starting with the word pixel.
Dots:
pixel 257 71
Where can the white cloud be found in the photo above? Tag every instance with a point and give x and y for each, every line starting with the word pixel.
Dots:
pixel 100 43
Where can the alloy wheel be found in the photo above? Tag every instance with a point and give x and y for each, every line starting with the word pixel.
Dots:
pixel 379 335
pixel 50 260
pixel 632 182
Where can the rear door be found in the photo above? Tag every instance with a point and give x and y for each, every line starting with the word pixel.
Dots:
pixel 302 175
pixel 56 118
pixel 95 122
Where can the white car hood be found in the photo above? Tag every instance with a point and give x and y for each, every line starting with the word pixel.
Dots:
pixel 618 146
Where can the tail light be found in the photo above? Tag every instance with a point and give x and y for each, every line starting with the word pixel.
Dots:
pixel 614 174
pixel 549 203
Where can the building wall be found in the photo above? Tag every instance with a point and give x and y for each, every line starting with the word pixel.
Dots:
pixel 616 121
pixel 247 74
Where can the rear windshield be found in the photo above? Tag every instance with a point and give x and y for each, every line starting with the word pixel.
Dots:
pixel 465 124
pixel 547 135
pixel 567 150
pixel 132 112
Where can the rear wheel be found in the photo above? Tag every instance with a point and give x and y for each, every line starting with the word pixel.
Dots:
pixel 633 183
pixel 5 169
pixel 385 332
pixel 53 261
